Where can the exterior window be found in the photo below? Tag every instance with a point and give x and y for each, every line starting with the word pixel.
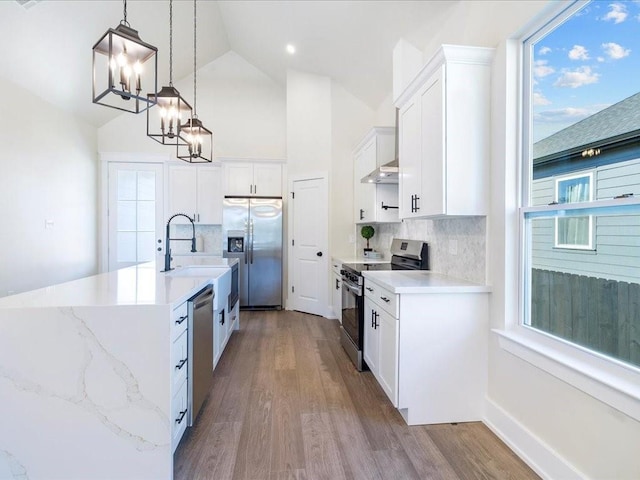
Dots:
pixel 580 204
pixel 574 232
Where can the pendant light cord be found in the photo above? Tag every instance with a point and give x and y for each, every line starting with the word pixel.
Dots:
pixel 170 43
pixel 195 23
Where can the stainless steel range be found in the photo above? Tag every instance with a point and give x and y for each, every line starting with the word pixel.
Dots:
pixel 406 255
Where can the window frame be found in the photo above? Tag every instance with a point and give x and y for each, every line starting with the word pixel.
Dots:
pixel 613 382
pixel 570 246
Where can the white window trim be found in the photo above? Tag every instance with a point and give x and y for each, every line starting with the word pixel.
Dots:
pixel 570 246
pixel 612 382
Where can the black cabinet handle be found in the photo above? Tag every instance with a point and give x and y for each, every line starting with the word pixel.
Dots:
pixel 385 299
pixel 375 320
pixel 337 284
pixel 417 207
pixel 361 214
pixel 372 319
pixel 181 416
pixel 181 319
pixel 181 364
pixel 369 289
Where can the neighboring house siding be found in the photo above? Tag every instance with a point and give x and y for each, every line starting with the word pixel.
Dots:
pixel 617 238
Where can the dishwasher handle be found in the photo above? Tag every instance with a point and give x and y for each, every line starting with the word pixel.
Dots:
pixel 204 298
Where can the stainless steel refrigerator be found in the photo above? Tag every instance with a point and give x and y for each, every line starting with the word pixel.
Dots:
pixel 252 233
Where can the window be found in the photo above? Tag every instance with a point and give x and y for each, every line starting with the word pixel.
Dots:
pixel 580 212
pixel 574 232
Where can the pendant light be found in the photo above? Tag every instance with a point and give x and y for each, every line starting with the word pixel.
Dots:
pixel 199 147
pixel 163 124
pixel 122 65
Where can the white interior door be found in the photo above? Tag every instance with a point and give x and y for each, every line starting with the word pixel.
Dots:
pixel 135 215
pixel 309 250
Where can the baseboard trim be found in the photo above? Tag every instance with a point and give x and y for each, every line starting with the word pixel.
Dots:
pixel 531 449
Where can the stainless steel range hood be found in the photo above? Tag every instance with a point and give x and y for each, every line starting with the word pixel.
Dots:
pixel 387 173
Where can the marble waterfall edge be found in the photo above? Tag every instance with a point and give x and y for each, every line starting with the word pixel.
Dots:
pixel 85 390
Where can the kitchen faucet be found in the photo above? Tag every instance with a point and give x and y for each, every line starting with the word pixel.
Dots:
pixel 167 248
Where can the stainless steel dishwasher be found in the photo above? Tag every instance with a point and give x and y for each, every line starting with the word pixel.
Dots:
pixel 200 350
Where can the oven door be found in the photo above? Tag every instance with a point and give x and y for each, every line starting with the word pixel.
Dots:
pixel 352 313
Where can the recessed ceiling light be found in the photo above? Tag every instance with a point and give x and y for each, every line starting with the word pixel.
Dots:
pixel 291 49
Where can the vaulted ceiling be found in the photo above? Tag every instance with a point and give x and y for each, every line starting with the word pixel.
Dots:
pixel 45 45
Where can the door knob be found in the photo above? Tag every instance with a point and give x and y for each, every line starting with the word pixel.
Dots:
pixel 319 254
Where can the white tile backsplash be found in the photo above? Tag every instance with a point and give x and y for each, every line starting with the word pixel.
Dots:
pixel 208 239
pixel 457 246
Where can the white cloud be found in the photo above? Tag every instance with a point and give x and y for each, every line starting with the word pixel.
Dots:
pixel 578 52
pixel 540 99
pixel 577 78
pixel 544 51
pixel 541 69
pixel 568 114
pixel 601 59
pixel 618 13
pixel 615 51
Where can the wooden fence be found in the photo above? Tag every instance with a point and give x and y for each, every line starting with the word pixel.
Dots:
pixel 603 315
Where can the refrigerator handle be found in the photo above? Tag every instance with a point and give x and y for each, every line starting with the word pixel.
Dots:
pixel 245 253
pixel 251 240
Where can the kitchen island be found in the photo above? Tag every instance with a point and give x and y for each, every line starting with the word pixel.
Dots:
pixel 86 374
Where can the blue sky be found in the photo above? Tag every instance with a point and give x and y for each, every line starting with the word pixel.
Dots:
pixel 586 64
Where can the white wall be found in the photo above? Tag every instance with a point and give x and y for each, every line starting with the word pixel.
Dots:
pixel 243 107
pixel 48 171
pixel 308 123
pixel 351 120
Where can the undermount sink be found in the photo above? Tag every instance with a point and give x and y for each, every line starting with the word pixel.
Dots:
pixel 195 271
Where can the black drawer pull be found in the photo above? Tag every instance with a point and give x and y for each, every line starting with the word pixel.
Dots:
pixel 181 319
pixel 369 289
pixel 385 299
pixel 181 364
pixel 181 416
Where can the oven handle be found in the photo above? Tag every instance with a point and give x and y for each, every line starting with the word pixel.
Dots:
pixel 351 288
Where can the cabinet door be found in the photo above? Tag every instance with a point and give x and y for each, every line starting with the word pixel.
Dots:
pixel 337 295
pixel 182 192
pixel 409 157
pixel 371 348
pixel 432 157
pixel 209 195
pixel 238 178
pixel 365 193
pixel 388 355
pixel 267 179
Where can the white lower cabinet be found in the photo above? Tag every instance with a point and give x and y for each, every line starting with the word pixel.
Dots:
pixel 336 289
pixel 179 367
pixel 428 352
pixel 381 338
pixel 179 417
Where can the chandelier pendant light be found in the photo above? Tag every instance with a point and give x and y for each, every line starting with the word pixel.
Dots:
pixel 163 122
pixel 199 147
pixel 122 65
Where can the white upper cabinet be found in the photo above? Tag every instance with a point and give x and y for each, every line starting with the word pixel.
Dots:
pixel 444 135
pixel 252 179
pixel 196 191
pixel 372 200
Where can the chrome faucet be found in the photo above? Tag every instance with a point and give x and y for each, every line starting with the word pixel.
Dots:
pixel 167 247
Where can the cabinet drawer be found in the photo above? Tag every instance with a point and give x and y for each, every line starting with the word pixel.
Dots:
pixel 179 320
pixel 382 297
pixel 179 416
pixel 336 266
pixel 179 361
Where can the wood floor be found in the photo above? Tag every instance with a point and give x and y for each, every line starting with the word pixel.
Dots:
pixel 286 403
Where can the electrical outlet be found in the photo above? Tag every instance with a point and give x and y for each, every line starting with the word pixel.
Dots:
pixel 453 246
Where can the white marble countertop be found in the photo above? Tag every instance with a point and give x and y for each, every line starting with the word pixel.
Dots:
pixel 137 285
pixel 359 259
pixel 420 281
